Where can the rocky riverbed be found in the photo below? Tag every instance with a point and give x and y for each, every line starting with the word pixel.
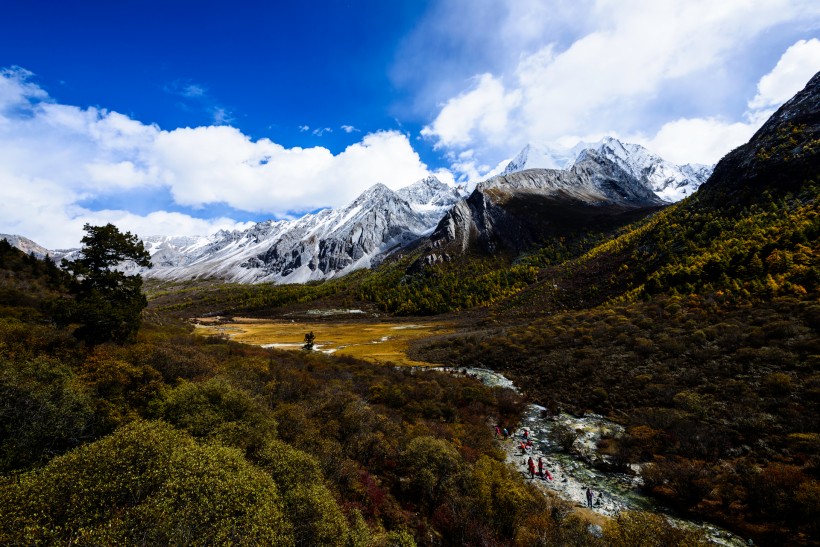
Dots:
pixel 568 461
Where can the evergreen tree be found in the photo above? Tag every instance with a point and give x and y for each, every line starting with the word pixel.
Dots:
pixel 107 303
pixel 309 339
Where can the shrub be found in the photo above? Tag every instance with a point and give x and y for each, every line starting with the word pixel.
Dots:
pixel 45 411
pixel 146 483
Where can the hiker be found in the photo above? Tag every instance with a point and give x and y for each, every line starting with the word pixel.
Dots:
pixel 531 465
pixel 506 433
pixel 523 448
pixel 589 497
pixel 540 466
pixel 526 434
pixel 497 432
pixel 528 444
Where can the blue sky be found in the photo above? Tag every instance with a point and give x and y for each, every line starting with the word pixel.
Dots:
pixel 184 117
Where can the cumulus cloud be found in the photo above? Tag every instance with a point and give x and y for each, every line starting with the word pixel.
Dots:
pixel 697 140
pixel 484 110
pixel 350 129
pixel 54 157
pixel 799 63
pixel 708 139
pixel 619 71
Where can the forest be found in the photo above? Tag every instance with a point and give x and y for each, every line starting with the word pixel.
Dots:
pixel 171 438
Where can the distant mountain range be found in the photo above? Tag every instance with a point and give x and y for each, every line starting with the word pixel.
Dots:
pixel 323 245
pixel 540 185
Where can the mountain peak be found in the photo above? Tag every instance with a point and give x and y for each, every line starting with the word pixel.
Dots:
pixel 668 181
pixel 377 192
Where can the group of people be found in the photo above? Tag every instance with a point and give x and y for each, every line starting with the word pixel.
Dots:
pixel 526 445
pixel 543 472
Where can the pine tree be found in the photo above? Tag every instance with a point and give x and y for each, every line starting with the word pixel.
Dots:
pixel 107 303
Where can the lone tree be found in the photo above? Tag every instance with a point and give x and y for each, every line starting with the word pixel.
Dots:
pixel 107 302
pixel 309 338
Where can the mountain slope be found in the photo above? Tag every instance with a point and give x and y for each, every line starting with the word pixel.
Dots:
pixel 516 210
pixel 317 246
pixel 669 181
pixel 26 245
pixel 779 158
pixel 751 231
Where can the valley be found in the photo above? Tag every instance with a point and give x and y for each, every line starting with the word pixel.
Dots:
pixel 385 343
pixel 665 353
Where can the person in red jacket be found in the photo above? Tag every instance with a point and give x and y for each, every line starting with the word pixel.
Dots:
pixel 531 465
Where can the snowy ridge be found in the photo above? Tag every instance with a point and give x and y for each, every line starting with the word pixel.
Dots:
pixel 27 246
pixel 668 181
pixel 519 209
pixel 322 245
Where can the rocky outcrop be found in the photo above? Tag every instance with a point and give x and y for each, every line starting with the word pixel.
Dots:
pixel 516 210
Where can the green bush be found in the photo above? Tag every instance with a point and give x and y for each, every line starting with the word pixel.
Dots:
pixel 145 484
pixel 215 410
pixel 44 410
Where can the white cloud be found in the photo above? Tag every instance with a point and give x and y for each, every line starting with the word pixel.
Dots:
pixel 15 90
pixel 797 65
pixel 697 140
pixel 706 140
pixel 467 168
pixel 54 157
pixel 621 73
pixel 186 89
pixel 321 131
pixel 303 128
pixel 484 111
pixel 350 129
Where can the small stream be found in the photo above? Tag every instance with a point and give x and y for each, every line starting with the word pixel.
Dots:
pixel 571 471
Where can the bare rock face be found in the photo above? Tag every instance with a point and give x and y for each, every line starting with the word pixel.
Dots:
pixel 318 246
pixel 517 209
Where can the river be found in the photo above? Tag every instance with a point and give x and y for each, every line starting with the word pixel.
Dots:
pixel 571 471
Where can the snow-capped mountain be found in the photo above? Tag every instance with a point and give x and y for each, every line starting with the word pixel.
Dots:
pixel 534 156
pixel 26 245
pixel 329 243
pixel 669 181
pixel 518 209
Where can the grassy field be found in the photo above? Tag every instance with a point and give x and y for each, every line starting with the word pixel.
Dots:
pixel 375 342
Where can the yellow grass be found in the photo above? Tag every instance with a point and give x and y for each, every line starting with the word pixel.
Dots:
pixel 375 342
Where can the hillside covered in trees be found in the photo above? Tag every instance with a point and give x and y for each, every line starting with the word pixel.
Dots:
pixel 697 328
pixel 172 438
